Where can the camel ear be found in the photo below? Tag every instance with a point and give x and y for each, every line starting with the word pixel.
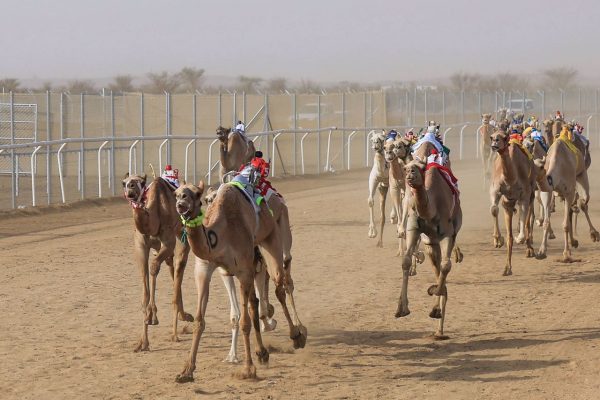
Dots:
pixel 126 175
pixel 201 187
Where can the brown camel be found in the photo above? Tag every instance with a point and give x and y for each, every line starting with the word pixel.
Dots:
pixel 395 153
pixel 434 212
pixel 566 164
pixel 513 180
pixel 552 128
pixel 485 131
pixel 227 236
pixel 235 150
pixel 156 227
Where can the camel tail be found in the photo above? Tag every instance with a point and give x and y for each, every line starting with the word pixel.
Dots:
pixel 153 172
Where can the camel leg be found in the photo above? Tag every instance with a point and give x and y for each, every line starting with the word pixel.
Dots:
pixel 203 271
pixel 180 261
pixel 246 288
pixel 402 226
pixel 382 196
pixel 234 315
pixel 498 239
pixel 272 254
pixel 260 287
pixel 396 204
pixel 583 205
pixel 165 252
pixel 141 255
pixel 568 200
pixel 526 221
pixel 412 237
pixel 545 201
pixel 262 353
pixel 372 188
pixel 508 217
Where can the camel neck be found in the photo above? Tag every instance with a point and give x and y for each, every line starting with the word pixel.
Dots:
pixel 506 164
pixel 396 168
pixel 422 197
pixel 198 239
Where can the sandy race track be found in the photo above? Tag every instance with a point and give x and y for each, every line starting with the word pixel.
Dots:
pixel 70 295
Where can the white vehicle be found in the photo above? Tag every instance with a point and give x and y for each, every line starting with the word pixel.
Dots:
pixel 516 105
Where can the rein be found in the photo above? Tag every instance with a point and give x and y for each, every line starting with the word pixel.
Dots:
pixel 140 201
pixel 191 223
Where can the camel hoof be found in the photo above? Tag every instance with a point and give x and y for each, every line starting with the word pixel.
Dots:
pixel 551 235
pixel 499 242
pixel 412 271
pixel 247 373
pixel 458 255
pixel 574 243
pixel 187 375
pixel 394 220
pixel 299 336
pixel 402 235
pixel 520 239
pixel 372 233
pixel 402 312
pixel 263 356
pixel 540 255
pixel 187 317
pixel 436 313
pixel 595 236
pixel 530 253
pixel 439 336
pixel 539 222
pixel 174 338
pixel 270 310
pixel 380 244
pixel 507 272
pixel 141 346
pixel 231 358
pixel 420 256
pixel 268 324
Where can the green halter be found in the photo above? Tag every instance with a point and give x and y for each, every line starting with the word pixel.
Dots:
pixel 191 223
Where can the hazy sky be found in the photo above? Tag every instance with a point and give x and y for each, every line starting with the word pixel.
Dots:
pixel 321 40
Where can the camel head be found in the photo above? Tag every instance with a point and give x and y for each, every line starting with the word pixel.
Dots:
pixel 377 142
pixel 389 148
pixel 402 148
pixel 133 186
pixel 223 134
pixel 211 193
pixel 485 118
pixel 499 140
pixel 188 200
pixel 415 176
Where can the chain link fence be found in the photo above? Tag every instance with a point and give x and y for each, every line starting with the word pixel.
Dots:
pixel 306 148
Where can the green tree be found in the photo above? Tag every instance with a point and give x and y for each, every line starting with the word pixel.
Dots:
pixel 10 84
pixel 560 78
pixel 191 79
pixel 163 82
pixel 277 85
pixel 248 84
pixel 80 86
pixel 122 84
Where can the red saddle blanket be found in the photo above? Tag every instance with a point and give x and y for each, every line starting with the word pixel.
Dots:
pixel 447 175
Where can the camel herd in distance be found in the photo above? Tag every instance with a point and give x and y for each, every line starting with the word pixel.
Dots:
pixel 228 230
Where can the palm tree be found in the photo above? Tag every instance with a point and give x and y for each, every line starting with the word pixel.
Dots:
pixel 191 78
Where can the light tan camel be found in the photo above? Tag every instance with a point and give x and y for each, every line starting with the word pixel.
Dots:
pixel 485 131
pixel 552 128
pixel 378 180
pixel 156 227
pixel 227 236
pixel 513 181
pixel 434 213
pixel 395 153
pixel 234 150
pixel 566 164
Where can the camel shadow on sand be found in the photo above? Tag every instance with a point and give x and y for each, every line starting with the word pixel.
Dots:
pixel 475 358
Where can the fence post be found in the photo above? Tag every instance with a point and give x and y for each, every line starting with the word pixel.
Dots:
pixel 219 114
pixel 425 101
pixel 33 169
pixel 344 127
pixel 195 131
pixel 142 131
pixel 111 175
pixel 48 151
pixel 168 124
pixel 318 134
pixel 365 124
pixel 443 108
pixel 12 151
pixel 462 106
pixel 295 127
pixel 82 146
pixel 60 172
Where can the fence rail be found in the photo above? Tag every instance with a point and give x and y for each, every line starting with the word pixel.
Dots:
pixel 126 132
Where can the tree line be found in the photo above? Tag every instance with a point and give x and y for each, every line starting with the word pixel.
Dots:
pixel 192 80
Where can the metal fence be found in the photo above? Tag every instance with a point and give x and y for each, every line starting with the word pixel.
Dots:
pixel 74 147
